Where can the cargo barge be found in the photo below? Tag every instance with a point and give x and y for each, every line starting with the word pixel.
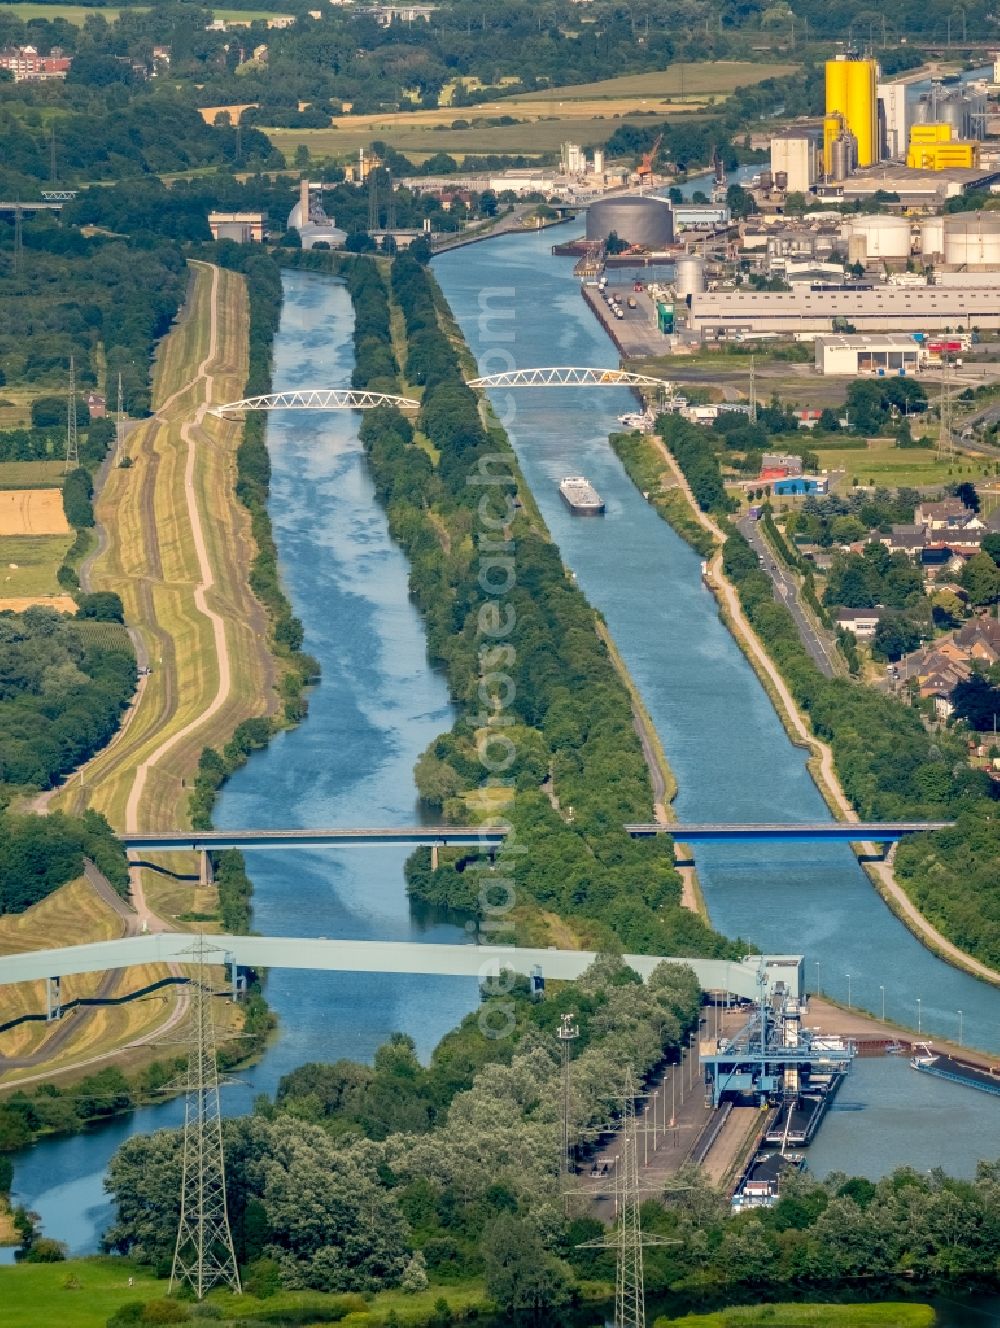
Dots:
pixel 985 1078
pixel 580 496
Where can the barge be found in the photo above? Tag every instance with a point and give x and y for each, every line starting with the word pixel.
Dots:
pixel 985 1078
pixel 580 496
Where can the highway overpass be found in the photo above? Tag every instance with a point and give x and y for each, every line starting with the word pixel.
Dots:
pixel 850 832
pixel 305 952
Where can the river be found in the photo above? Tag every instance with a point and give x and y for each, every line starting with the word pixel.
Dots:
pixel 351 761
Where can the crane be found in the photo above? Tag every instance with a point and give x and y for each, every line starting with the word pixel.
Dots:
pixel 645 168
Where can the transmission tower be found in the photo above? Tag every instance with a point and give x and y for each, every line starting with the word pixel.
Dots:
pixel 204 1254
pixel 567 1033
pixel 390 203
pixel 753 392
pixel 72 442
pixel 374 211
pixel 119 420
pixel 628 1240
pixel 945 440
pixel 53 176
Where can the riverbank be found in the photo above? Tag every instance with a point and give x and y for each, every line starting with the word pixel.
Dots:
pixel 821 762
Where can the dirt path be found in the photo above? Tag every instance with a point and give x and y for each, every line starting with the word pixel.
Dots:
pixel 821 765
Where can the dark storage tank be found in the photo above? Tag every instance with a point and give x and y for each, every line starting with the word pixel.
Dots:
pixel 645 221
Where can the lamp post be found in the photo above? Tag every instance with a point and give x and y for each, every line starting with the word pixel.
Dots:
pixel 919 1017
pixel 960 1019
pixel 882 990
pixel 817 977
pixel 848 977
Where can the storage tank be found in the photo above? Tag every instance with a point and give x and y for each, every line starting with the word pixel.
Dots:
pixel 885 237
pixel 689 276
pixel 645 221
pixel 932 236
pixel 972 239
pixel 841 157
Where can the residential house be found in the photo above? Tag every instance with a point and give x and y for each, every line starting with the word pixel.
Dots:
pixel 778 466
pixel 97 405
pixel 28 66
pixel 861 622
pixel 980 638
pixel 908 539
pixel 949 521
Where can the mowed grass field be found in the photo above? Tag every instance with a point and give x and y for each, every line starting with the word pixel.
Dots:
pixel 28 564
pixel 885 464
pixel 31 474
pixel 586 113
pixel 810 1316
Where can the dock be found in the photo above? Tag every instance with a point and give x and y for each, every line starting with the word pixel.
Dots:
pixel 636 335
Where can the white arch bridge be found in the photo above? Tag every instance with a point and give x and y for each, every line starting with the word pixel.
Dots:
pixel 317 398
pixel 570 377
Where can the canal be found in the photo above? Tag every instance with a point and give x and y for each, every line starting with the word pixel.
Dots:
pixel 351 761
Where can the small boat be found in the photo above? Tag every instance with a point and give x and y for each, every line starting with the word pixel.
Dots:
pixel 580 496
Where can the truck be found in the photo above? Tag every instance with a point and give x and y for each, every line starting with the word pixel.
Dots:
pixel 631 301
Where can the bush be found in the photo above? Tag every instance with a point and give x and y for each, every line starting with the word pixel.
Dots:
pixel 101 606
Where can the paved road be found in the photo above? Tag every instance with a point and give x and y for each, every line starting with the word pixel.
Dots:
pixel 786 591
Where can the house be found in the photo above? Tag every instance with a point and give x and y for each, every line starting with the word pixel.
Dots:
pixel 778 465
pixel 28 66
pixel 980 637
pixel 860 622
pixel 797 485
pixel 947 517
pixel 908 539
pixel 97 405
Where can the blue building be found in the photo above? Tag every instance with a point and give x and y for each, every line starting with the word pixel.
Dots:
pixel 797 485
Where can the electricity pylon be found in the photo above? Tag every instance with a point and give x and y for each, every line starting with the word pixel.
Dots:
pixel 119 420
pixel 204 1255
pixel 945 437
pixel 567 1033
pixel 753 392
pixel 72 442
pixel 628 1240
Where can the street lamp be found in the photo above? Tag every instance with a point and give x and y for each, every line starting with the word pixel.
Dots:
pixel 882 990
pixel 919 1027
pixel 848 977
pixel 960 1018
pixel 817 977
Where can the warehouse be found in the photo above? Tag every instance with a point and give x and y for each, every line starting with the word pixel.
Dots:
pixel 735 313
pixel 855 355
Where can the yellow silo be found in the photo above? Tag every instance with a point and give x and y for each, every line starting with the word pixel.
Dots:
pixel 850 91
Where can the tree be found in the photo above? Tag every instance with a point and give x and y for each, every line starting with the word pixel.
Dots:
pixel 101 606
pixel 894 637
pixel 977 702
pixel 521 1275
pixel 981 580
pixel 991 545
pixel 966 493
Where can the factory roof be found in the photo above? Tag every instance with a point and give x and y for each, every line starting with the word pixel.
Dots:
pixel 862 340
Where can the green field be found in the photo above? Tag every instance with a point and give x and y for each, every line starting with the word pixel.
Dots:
pixel 810 1316
pixel 31 474
pixel 25 10
pixel 883 463
pixel 720 76
pixel 37 559
pixel 81 1293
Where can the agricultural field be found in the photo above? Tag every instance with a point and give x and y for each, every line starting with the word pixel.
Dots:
pixel 77 14
pixel 28 565
pixel 31 474
pixel 32 512
pixel 588 113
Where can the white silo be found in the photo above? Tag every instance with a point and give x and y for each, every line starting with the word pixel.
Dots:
pixel 972 239
pixel 689 276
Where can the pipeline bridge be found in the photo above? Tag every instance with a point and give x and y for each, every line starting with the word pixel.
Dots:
pixel 490 837
pixel 738 977
pixel 316 398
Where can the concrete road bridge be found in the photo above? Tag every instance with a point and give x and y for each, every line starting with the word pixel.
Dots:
pixel 491 837
pixel 738 977
pixel 317 398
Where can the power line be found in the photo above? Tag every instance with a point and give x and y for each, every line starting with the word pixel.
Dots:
pixel 204 1255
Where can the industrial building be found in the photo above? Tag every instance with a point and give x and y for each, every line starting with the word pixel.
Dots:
pixel 647 222
pixel 243 227
pixel 934 147
pixel 858 354
pixel 739 313
pixel 795 159
pixel 894 120
pixel 851 111
pixel 313 225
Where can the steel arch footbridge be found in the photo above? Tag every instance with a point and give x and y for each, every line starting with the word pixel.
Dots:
pixel 317 398
pixel 570 377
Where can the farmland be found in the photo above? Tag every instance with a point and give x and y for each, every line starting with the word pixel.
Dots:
pixel 587 113
pixel 32 512
pixel 28 564
pixel 77 14
pixel 31 474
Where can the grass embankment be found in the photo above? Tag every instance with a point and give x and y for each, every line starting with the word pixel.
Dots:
pixel 649 472
pixel 583 113
pixel 150 558
pixel 809 1316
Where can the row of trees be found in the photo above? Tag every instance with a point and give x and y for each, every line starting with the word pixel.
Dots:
pixel 38 854
pixel 62 693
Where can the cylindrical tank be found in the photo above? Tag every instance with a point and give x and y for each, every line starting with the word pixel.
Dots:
pixel 972 239
pixel 766 179
pixel 921 112
pixel 689 275
pixel 932 236
pixel 781 179
pixel 645 221
pixel 885 237
pixel 950 111
pixel 841 158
